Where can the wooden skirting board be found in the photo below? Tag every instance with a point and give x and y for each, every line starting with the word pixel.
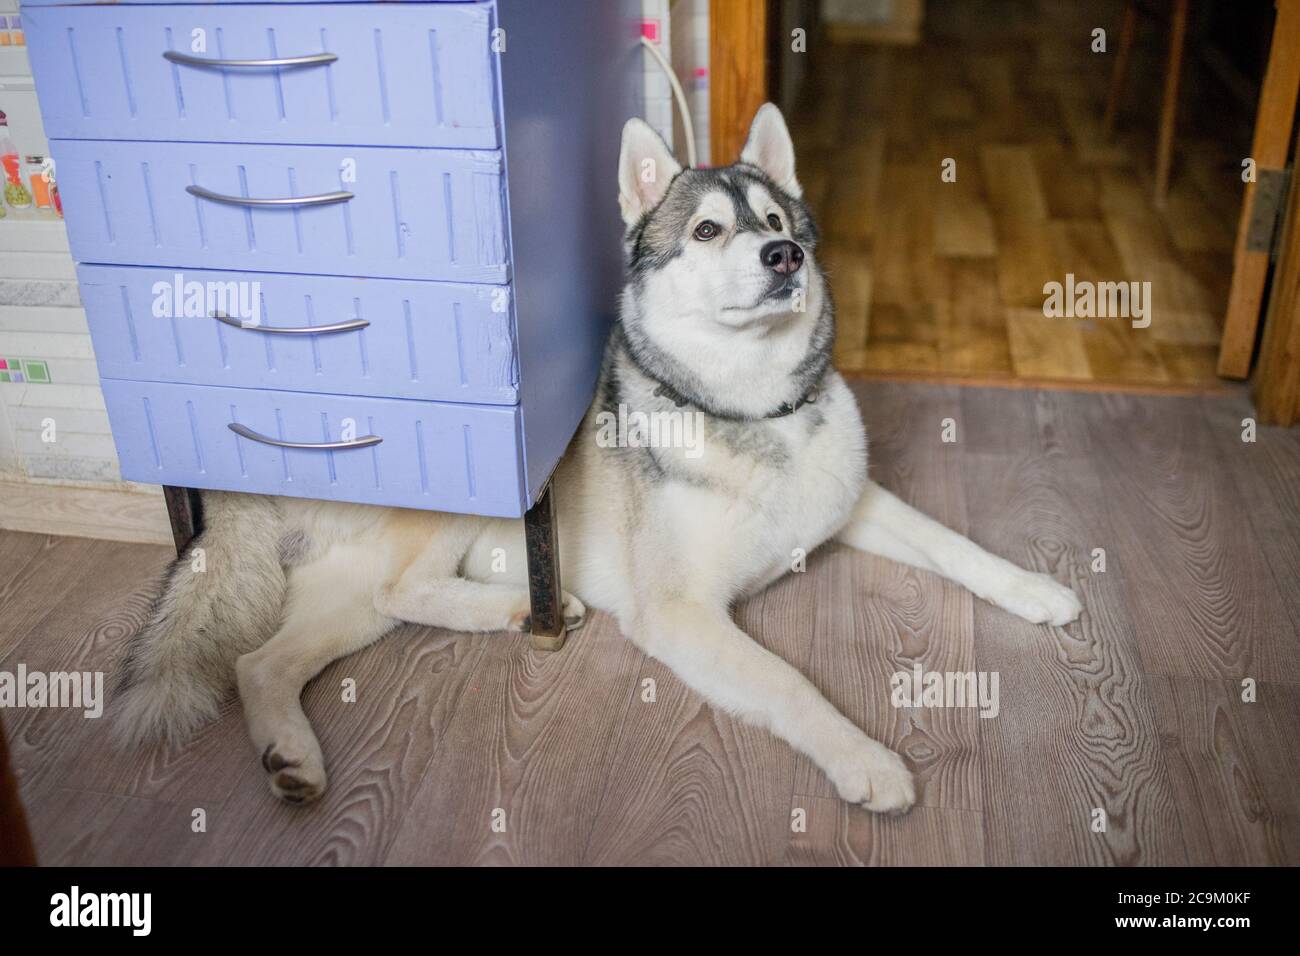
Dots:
pixel 1221 387
pixel 112 514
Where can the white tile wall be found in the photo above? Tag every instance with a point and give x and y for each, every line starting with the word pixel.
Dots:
pixel 657 106
pixel 41 318
pixel 681 30
pixel 690 59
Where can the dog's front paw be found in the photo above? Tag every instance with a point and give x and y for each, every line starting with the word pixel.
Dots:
pixel 875 778
pixel 1038 599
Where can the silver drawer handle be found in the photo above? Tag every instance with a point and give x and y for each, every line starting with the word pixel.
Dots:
pixel 312 59
pixel 350 326
pixel 322 200
pixel 243 431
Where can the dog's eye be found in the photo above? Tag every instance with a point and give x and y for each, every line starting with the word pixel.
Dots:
pixel 774 221
pixel 706 230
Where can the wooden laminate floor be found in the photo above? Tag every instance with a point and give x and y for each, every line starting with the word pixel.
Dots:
pixel 937 279
pixel 1135 711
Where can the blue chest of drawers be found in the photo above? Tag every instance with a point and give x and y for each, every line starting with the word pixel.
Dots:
pixel 355 251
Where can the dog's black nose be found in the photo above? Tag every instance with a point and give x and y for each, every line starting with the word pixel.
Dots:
pixel 782 256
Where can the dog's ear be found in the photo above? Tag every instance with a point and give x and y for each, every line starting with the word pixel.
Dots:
pixel 645 168
pixel 770 149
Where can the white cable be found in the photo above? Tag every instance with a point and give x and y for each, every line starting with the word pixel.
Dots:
pixel 679 95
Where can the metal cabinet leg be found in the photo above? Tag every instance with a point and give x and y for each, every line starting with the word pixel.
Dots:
pixel 544 591
pixel 185 511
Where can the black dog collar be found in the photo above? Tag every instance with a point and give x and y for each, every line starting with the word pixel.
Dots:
pixel 785 408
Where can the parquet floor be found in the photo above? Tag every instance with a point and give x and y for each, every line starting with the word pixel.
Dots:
pixel 937 279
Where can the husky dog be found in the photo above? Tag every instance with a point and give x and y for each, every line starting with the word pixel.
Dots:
pixel 725 316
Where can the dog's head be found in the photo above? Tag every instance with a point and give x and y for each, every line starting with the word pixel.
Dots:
pixel 722 263
pixel 732 245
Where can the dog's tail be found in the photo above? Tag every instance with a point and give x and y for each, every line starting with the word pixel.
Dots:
pixel 221 599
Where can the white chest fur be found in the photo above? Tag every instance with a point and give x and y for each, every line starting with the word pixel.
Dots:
pixel 757 496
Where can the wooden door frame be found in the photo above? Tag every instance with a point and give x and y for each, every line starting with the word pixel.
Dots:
pixel 738 74
pixel 1277 380
pixel 1273 121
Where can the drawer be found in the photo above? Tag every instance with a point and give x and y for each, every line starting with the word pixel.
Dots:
pixel 429 340
pixel 409 75
pixel 431 455
pixel 402 213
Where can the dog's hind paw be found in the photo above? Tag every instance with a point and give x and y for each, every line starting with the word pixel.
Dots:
pixel 575 614
pixel 876 779
pixel 294 779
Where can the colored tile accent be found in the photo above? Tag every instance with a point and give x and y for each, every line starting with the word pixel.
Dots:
pixel 31 371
